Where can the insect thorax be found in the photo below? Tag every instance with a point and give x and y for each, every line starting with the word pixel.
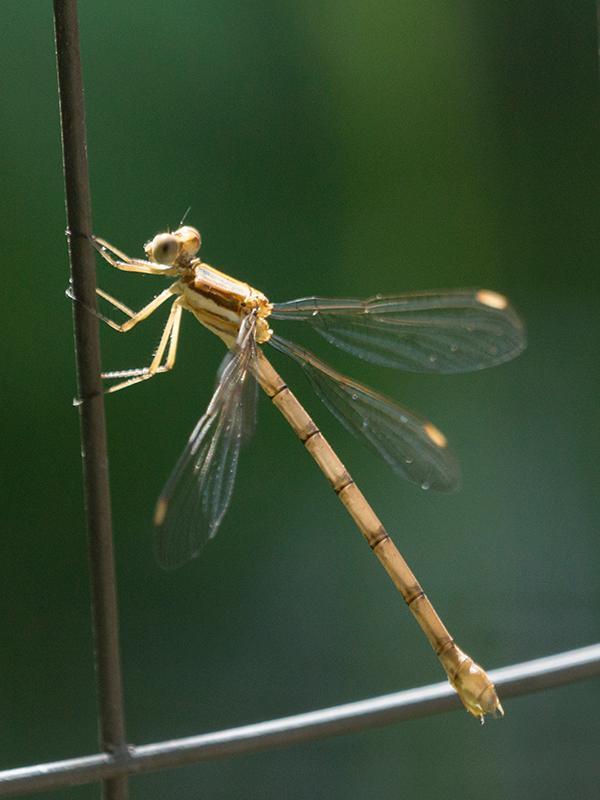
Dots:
pixel 221 302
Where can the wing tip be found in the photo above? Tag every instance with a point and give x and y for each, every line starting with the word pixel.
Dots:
pixel 492 299
pixel 160 512
pixel 435 435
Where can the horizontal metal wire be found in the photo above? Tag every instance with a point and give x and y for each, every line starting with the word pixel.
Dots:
pixel 518 679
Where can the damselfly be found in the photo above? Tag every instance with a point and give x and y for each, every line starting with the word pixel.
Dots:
pixel 436 332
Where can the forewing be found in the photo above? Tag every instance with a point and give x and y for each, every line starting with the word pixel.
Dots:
pixel 443 332
pixel 194 500
pixel 410 445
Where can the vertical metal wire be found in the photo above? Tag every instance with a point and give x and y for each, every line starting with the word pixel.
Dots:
pixel 91 411
pixel 598 30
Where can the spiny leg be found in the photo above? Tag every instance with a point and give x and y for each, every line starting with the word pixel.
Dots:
pixel 116 303
pixel 124 262
pixel 173 342
pixel 134 316
pixel 98 240
pixel 170 336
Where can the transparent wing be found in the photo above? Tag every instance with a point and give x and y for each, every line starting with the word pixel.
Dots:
pixel 249 397
pixel 195 498
pixel 453 331
pixel 411 446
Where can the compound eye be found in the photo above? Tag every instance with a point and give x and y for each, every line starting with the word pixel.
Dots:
pixel 163 249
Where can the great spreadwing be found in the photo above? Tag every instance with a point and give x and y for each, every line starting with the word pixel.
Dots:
pixel 436 332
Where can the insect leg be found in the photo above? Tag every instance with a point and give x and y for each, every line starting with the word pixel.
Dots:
pixel 170 337
pixel 116 303
pixel 134 316
pixel 123 262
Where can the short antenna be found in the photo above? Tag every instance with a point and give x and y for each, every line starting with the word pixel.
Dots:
pixel 189 208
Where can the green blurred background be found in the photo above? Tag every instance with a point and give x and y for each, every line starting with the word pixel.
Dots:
pixel 331 148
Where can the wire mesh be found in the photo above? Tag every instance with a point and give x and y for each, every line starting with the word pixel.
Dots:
pixel 117 761
pixel 514 680
pixel 91 410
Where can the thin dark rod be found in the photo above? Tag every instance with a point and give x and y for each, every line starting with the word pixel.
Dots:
pixel 91 411
pixel 598 30
pixel 518 679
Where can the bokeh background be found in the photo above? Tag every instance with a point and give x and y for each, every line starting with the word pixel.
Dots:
pixel 331 148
